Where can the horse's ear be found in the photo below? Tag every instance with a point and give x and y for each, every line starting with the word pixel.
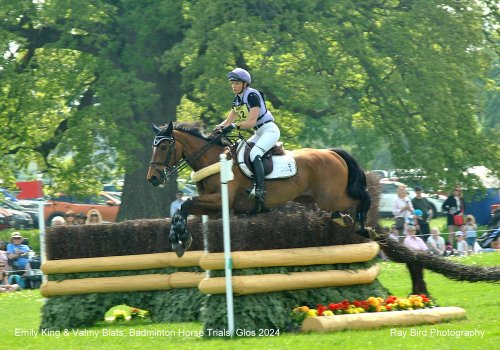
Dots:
pixel 170 127
pixel 155 128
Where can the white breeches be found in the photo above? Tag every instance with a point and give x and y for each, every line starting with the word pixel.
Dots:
pixel 265 137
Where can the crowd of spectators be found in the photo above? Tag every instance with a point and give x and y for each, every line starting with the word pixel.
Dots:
pixel 412 226
pixel 92 217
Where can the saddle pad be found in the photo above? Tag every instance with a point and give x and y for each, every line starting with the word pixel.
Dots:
pixel 283 166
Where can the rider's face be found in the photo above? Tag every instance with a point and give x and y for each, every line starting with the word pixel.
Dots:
pixel 237 86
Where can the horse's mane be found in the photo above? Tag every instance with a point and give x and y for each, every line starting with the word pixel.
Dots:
pixel 196 130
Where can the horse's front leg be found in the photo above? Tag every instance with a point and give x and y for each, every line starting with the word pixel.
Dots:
pixel 179 237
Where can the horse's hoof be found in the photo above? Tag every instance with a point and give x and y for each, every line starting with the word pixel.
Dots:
pixel 178 249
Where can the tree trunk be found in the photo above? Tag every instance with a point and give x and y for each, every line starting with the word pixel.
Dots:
pixel 140 199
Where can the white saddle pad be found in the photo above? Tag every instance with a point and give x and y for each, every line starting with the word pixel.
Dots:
pixel 283 166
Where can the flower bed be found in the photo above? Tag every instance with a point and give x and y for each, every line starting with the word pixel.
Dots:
pixel 372 304
pixel 373 313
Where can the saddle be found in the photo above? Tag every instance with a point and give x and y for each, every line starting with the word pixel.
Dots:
pixel 267 161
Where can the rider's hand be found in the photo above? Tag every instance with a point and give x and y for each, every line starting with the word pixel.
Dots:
pixel 228 129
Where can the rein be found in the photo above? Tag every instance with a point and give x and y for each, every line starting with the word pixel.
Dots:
pixel 167 171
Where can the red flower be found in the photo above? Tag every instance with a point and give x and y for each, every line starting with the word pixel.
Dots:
pixel 320 308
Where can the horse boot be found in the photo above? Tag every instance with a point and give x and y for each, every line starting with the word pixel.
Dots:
pixel 260 190
pixel 179 237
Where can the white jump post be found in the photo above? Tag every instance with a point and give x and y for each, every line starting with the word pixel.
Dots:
pixel 41 227
pixel 226 175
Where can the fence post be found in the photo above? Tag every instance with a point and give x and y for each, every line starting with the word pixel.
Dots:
pixel 226 175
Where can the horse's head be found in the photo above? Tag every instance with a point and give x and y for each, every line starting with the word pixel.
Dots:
pixel 165 155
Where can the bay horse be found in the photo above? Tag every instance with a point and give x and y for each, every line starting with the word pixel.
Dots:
pixel 329 177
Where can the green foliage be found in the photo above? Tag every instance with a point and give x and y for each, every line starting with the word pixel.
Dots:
pixel 273 310
pixel 175 305
pixel 408 85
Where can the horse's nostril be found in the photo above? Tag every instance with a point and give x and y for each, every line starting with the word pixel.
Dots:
pixel 154 180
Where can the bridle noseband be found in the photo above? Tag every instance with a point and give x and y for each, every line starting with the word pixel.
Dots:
pixel 167 170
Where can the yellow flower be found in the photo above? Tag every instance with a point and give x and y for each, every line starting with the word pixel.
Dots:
pixel 312 313
pixel 327 313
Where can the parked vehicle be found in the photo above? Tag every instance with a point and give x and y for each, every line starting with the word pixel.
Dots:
pixel 380 173
pixel 6 219
pixel 389 194
pixel 8 204
pixel 20 219
pixel 108 205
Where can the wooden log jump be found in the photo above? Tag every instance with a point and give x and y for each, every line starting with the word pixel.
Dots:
pixel 380 319
pixel 268 283
pixel 123 284
pixel 339 254
pixel 121 263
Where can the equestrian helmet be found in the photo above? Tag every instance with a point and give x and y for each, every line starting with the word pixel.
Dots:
pixel 239 74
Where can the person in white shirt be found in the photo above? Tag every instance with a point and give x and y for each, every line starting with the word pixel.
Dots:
pixel 177 203
pixel 435 242
pixel 413 242
pixel 402 209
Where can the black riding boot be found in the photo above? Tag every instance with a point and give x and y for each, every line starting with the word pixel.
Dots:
pixel 260 190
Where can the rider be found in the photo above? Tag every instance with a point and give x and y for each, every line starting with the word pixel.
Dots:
pixel 249 107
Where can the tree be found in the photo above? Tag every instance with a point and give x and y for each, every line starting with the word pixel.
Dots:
pixel 369 76
pixel 83 80
pixel 81 86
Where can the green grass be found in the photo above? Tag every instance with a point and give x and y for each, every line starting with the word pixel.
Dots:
pixel 21 312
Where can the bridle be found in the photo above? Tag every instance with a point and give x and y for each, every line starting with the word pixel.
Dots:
pixel 178 165
pixel 167 171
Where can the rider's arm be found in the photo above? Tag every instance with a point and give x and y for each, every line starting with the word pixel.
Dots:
pixel 229 120
pixel 252 118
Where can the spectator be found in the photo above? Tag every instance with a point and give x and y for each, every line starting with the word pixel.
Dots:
pixel 58 221
pixel 461 244
pixel 5 286
pixel 454 205
pixel 402 210
pixel 94 217
pixel 80 218
pixel 393 234
pixel 70 218
pixel 177 203
pixel 412 241
pixel 435 242
pixel 18 253
pixel 470 232
pixel 421 203
pixel 3 254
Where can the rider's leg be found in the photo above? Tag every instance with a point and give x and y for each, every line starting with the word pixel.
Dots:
pixel 258 171
pixel 267 135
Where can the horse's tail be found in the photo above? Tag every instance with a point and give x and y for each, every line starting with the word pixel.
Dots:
pixel 357 187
